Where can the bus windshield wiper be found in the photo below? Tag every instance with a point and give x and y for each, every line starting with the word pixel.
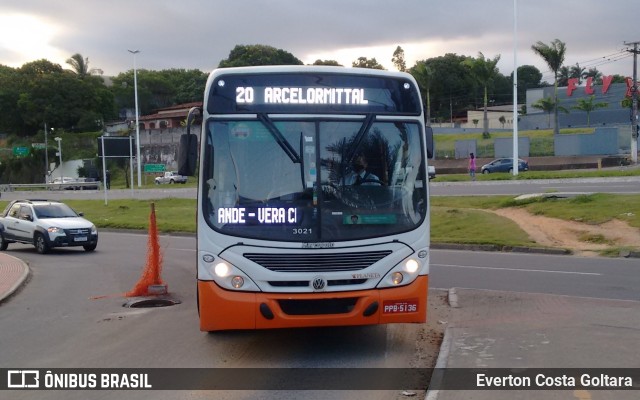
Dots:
pixel 280 139
pixel 362 133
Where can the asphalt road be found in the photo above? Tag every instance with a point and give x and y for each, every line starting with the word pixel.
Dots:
pixel 71 314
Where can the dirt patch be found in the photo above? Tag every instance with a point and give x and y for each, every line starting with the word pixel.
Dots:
pixel 582 239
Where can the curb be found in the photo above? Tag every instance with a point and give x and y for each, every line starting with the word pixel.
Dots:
pixel 498 248
pixel 17 282
pixel 445 346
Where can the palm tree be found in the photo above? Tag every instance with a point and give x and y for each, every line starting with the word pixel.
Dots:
pixel 563 76
pixel 547 105
pixel 483 71
pixel 553 55
pixel 587 105
pixel 80 66
pixel 424 75
pixel 578 72
pixel 595 74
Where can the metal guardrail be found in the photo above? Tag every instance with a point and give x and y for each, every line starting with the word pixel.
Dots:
pixel 12 187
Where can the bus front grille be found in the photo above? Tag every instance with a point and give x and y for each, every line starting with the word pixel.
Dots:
pixel 317 262
pixel 331 282
pixel 317 307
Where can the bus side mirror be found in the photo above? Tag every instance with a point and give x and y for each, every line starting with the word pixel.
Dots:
pixel 430 143
pixel 188 148
pixel 187 154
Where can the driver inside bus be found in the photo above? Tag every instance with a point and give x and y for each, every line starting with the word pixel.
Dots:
pixel 360 175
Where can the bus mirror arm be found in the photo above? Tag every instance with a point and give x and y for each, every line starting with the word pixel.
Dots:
pixel 430 142
pixel 188 149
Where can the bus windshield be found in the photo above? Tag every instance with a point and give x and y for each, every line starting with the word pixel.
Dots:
pixel 313 180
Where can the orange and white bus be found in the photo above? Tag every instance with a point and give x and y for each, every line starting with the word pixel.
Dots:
pixel 313 198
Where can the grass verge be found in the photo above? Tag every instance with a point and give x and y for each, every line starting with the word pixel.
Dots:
pixel 454 219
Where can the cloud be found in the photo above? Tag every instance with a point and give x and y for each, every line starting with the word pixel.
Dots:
pixel 199 33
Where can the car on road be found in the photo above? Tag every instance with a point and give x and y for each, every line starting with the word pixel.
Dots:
pixel 432 172
pixel 45 224
pixel 504 165
pixel 87 184
pixel 171 177
pixel 64 183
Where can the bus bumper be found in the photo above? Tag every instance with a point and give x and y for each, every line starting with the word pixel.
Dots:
pixel 222 309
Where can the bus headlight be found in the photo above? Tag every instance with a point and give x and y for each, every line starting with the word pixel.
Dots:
pixel 411 265
pixel 397 278
pixel 237 282
pixel 221 269
pixel 225 274
pixel 404 273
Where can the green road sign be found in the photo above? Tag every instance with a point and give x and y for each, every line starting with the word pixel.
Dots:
pixel 154 168
pixel 37 145
pixel 20 151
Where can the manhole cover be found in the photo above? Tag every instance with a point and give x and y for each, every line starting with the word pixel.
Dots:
pixel 150 302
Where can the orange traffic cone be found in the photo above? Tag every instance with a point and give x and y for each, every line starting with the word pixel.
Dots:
pixel 150 282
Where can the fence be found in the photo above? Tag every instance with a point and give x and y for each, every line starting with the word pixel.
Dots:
pixel 12 187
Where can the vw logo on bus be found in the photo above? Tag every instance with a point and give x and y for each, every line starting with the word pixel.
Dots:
pixel 318 283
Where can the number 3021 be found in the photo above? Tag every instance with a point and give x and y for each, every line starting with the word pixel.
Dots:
pixel 302 231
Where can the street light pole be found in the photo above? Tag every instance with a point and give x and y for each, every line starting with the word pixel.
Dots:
pixel 46 156
pixel 516 157
pixel 135 89
pixel 59 140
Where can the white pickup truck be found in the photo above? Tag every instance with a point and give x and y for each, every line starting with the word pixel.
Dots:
pixel 171 177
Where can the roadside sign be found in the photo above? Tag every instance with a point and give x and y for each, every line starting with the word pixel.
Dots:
pixel 154 168
pixel 39 146
pixel 20 151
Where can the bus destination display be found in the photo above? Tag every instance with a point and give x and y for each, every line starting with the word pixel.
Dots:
pixel 299 95
pixel 253 216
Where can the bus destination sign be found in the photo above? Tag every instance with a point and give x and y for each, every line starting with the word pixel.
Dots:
pixel 299 95
pixel 255 216
pixel 312 93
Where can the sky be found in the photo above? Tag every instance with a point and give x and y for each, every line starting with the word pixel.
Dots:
pixel 198 34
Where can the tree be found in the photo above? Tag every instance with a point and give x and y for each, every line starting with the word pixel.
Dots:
pixel 577 72
pixel 617 78
pixel 563 76
pixel 424 76
pixel 450 93
pixel 595 75
pixel 258 54
pixel 398 59
pixel 588 105
pixel 528 77
pixel 548 105
pixel 186 86
pixel 364 62
pixel 553 55
pixel 327 62
pixel 39 68
pixel 10 89
pixel 80 66
pixel 483 72
pixel 502 120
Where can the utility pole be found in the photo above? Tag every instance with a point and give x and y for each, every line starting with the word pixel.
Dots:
pixel 46 155
pixel 635 126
